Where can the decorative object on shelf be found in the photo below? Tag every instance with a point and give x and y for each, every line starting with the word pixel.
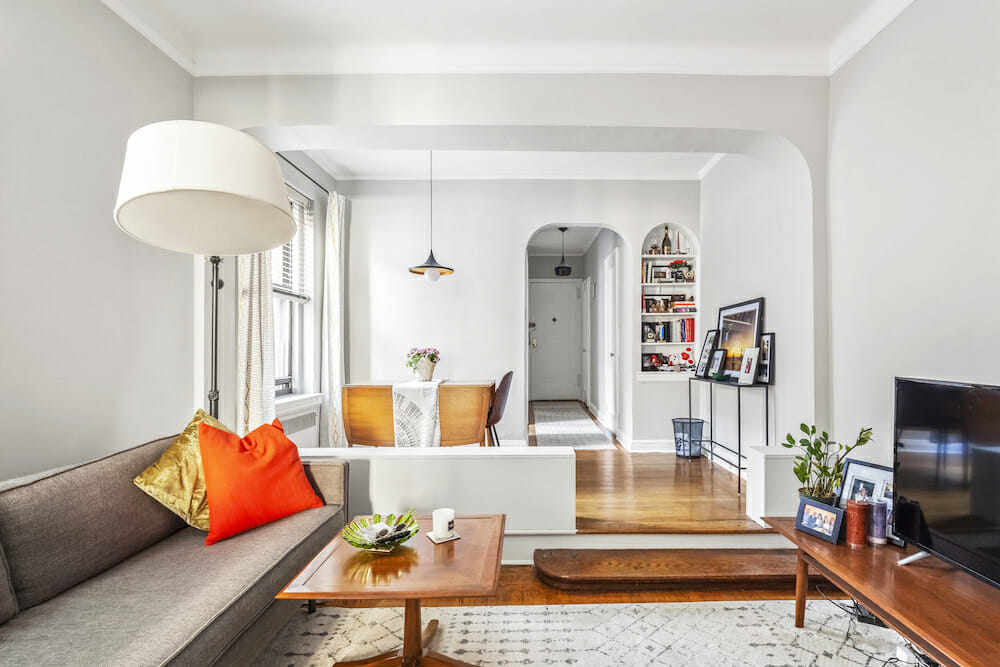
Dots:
pixel 858 515
pixel 689 275
pixel 661 276
pixel 748 372
pixel 740 327
pixel 718 363
pixel 819 519
pixel 654 250
pixel 765 360
pixel 652 362
pixel 430 269
pixel 203 189
pixel 563 269
pixel 423 360
pixel 678 269
pixel 872 483
pixel 820 466
pixel 877 525
pixel 666 246
pixel 706 352
pixel 379 535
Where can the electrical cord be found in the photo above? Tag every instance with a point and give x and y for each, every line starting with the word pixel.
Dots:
pixel 854 612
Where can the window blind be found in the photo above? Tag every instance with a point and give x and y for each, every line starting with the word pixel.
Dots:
pixel 291 264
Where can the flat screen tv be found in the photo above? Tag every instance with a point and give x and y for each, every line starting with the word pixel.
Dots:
pixel 947 472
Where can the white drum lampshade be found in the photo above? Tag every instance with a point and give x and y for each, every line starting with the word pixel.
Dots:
pixel 203 189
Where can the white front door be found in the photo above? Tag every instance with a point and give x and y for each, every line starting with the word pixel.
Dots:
pixel 554 343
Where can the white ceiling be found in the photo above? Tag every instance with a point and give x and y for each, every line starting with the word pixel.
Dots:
pixel 241 37
pixel 546 241
pixel 348 165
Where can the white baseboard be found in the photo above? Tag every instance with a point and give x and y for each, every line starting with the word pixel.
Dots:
pixel 655 445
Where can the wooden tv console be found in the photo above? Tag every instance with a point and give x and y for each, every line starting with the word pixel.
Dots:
pixel 945 612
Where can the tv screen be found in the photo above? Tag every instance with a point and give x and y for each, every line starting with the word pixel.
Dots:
pixel 947 472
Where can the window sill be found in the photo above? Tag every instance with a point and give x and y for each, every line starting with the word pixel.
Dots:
pixel 292 405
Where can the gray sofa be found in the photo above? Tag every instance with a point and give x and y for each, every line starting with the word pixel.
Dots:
pixel 95 572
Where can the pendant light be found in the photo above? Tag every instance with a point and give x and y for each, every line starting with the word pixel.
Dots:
pixel 430 269
pixel 563 269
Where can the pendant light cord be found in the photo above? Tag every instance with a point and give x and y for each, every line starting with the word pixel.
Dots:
pixel 432 200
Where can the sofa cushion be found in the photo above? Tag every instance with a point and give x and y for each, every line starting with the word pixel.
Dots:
pixel 178 602
pixel 64 527
pixel 8 603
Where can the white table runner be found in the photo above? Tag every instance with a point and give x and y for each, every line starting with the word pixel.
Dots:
pixel 415 418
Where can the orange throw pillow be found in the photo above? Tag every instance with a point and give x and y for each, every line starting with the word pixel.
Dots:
pixel 253 480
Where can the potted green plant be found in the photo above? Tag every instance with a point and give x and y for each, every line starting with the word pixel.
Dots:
pixel 820 466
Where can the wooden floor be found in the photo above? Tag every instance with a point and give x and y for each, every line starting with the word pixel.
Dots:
pixel 618 491
pixel 520 586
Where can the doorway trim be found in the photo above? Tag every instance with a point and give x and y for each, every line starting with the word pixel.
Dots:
pixel 587 286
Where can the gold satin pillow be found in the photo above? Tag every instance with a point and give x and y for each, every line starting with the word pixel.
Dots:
pixel 177 480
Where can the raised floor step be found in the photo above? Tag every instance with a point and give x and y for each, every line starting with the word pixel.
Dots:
pixel 622 569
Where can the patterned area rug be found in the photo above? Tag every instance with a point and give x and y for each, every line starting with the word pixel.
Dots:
pixel 566 424
pixel 700 633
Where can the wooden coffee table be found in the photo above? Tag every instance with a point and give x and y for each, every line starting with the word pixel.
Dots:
pixel 418 570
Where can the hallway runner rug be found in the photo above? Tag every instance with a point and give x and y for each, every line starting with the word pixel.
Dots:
pixel 567 424
pixel 675 634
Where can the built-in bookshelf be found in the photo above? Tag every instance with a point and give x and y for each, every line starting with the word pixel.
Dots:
pixel 668 313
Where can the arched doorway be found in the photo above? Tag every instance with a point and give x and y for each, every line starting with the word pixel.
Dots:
pixel 574 327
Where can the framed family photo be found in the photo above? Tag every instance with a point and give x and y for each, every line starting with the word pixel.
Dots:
pixel 718 362
pixel 820 520
pixel 869 482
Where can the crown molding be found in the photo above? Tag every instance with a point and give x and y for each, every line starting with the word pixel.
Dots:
pixel 732 60
pixel 710 165
pixel 863 30
pixel 174 44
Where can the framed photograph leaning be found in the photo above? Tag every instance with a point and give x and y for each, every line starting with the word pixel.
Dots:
pixel 707 348
pixel 869 482
pixel 820 520
pixel 740 326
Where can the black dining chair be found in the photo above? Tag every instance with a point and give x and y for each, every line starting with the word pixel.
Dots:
pixel 497 408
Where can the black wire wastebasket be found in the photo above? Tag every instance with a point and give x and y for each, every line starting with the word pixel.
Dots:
pixel 687 437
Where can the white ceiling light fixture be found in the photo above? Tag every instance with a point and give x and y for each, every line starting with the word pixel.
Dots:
pixel 203 189
pixel 431 269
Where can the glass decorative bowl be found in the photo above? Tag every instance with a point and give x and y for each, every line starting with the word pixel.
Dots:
pixel 378 534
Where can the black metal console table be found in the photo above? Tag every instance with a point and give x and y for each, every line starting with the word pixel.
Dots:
pixel 740 457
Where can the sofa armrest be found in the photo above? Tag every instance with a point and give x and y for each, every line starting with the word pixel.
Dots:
pixel 329 478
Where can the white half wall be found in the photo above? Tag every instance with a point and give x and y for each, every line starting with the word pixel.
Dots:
pixel 534 486
pixel 914 207
pixel 97 335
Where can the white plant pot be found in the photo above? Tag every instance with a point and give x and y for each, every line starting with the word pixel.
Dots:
pixel 425 369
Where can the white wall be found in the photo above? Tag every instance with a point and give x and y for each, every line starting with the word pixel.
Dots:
pixel 96 339
pixel 753 246
pixel 477 316
pixel 914 209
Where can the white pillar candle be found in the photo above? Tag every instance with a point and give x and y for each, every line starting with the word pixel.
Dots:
pixel 444 522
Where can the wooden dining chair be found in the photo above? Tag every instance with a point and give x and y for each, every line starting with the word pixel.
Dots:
pixel 497 408
pixel 367 414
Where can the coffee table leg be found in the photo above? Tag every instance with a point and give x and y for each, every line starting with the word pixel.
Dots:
pixel 801 588
pixel 413 645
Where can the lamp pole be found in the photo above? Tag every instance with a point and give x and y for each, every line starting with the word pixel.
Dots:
pixel 213 392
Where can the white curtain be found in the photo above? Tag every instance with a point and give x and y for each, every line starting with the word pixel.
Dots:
pixel 255 364
pixel 332 359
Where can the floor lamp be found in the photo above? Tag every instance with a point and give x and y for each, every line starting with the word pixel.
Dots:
pixel 203 189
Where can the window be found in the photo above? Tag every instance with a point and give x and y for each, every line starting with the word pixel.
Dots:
pixel 292 281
